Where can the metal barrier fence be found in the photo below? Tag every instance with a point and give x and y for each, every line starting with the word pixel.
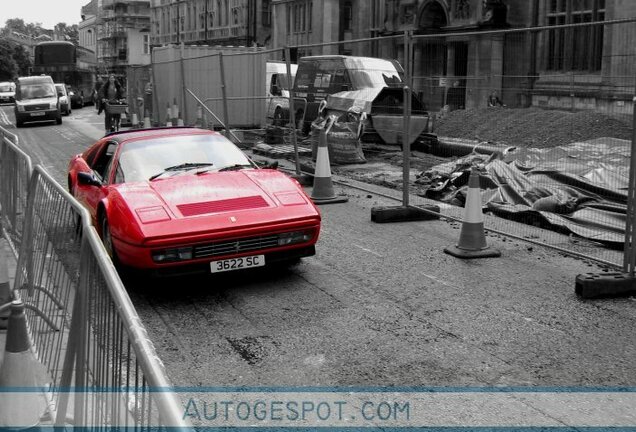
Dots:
pixel 15 170
pixel 521 103
pixel 83 325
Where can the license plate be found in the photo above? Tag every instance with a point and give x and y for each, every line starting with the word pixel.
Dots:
pixel 237 263
pixel 37 114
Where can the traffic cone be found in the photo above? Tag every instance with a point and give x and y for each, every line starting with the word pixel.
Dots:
pixel 21 375
pixel 472 239
pixel 134 121
pixel 168 116
pixel 179 120
pixel 322 192
pixel 5 289
pixel 175 111
pixel 147 123
pixel 199 121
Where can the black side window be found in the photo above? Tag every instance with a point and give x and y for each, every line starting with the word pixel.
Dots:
pixel 103 161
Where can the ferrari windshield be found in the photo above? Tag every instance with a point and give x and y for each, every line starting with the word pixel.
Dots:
pixel 145 159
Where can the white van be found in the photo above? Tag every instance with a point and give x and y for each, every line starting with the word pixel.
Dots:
pixel 35 100
pixel 277 90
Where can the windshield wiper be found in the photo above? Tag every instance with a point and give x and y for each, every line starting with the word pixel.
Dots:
pixel 183 166
pixel 235 167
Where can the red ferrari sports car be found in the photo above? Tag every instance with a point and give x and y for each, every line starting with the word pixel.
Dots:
pixel 187 200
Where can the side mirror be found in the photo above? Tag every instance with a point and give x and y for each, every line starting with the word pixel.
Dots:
pixel 87 179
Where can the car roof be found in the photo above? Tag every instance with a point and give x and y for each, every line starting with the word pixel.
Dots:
pixel 136 134
pixel 35 79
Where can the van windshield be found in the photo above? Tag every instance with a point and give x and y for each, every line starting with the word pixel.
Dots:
pixel 335 75
pixel 37 91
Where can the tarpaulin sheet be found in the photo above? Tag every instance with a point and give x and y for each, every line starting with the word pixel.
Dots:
pixel 580 187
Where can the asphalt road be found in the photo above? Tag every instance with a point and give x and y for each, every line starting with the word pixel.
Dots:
pixel 379 305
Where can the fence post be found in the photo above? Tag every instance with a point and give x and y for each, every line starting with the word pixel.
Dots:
pixel 224 91
pixel 184 102
pixel 155 98
pixel 629 255
pixel 292 109
pixel 406 141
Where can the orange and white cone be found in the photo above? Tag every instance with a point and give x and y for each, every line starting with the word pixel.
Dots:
pixel 179 120
pixel 472 239
pixel 147 124
pixel 134 121
pixel 168 116
pixel 175 112
pixel 199 121
pixel 5 288
pixel 22 376
pixel 323 192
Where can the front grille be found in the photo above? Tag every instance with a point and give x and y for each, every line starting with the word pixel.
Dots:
pixel 229 247
pixel 38 107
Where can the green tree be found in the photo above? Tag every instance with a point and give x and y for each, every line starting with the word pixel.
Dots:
pixel 22 60
pixel 8 67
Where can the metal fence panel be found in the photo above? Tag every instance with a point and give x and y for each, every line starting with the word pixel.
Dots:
pixel 565 180
pixel 15 171
pixel 84 328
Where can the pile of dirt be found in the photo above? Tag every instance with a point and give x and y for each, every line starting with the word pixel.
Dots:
pixel 531 127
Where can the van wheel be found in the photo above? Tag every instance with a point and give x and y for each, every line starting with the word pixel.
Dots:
pixel 58 120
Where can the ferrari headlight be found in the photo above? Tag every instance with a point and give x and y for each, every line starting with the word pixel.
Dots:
pixel 172 255
pixel 293 238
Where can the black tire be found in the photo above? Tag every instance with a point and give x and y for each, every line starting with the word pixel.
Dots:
pixel 19 124
pixel 107 240
pixel 58 120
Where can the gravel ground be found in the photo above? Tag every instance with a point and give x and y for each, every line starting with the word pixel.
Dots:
pixel 532 127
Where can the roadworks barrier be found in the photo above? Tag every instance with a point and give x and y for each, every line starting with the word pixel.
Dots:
pixel 594 285
pixel 323 191
pixel 404 213
pixel 22 375
pixel 472 238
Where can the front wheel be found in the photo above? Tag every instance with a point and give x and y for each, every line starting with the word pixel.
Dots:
pixel 107 240
pixel 58 120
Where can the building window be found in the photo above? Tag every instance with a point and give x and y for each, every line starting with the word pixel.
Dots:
pixel 146 44
pixel 577 48
pixel 347 12
pixel 266 13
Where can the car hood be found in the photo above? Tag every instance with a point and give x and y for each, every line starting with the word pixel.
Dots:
pixel 196 204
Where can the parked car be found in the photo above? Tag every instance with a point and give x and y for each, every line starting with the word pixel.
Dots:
pixel 36 100
pixel 187 200
pixel 76 97
pixel 65 103
pixel 7 92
